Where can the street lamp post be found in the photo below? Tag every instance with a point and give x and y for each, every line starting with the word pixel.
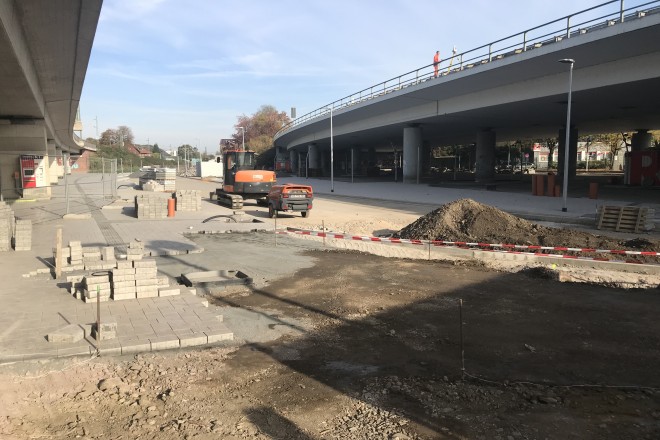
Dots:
pixel 570 62
pixel 243 130
pixel 332 156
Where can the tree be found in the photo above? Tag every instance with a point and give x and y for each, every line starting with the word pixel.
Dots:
pixel 551 143
pixel 260 128
pixel 115 136
pixel 187 151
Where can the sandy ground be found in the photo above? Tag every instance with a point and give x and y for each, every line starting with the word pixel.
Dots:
pixel 358 346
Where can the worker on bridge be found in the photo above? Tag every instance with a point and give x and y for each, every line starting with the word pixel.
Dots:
pixel 436 63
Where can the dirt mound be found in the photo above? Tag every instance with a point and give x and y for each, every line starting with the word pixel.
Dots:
pixel 467 220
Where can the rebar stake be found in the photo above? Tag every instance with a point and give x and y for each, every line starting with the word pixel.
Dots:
pixel 460 315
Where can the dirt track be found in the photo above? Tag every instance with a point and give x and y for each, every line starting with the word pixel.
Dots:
pixel 381 359
pixel 373 351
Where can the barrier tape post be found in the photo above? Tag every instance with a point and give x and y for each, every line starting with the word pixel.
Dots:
pixel 323 226
pixel 275 228
pixel 460 317
pixel 429 247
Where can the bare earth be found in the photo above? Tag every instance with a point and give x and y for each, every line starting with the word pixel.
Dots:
pixel 373 351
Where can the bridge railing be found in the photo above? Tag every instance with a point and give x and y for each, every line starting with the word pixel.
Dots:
pixel 597 17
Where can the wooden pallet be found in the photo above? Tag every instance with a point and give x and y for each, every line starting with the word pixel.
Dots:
pixel 624 218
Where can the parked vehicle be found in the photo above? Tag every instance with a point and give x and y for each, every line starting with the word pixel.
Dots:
pixel 290 198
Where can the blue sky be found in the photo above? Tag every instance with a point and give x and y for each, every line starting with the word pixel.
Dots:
pixel 181 72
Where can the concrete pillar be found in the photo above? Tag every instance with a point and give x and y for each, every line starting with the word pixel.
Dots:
pixel 642 140
pixel 293 159
pixel 314 164
pixel 325 164
pixel 485 160
pixel 302 163
pixel 412 145
pixel 572 158
pixel 354 161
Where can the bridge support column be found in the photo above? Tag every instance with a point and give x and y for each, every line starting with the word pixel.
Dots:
pixel 412 149
pixel 16 140
pixel 485 160
pixel 293 160
pixel 642 140
pixel 572 159
pixel 313 158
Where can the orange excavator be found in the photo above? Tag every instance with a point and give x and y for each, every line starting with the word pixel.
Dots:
pixel 242 180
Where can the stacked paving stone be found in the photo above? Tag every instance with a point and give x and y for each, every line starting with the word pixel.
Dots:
pixel 6 226
pixel 152 186
pixel 163 176
pixel 127 279
pixel 96 285
pixel 135 250
pixel 188 200
pixel 150 206
pixel 146 278
pixel 23 235
pixel 123 281
pixel 167 178
pixel 76 254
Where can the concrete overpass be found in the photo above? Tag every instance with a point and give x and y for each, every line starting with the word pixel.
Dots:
pixel 45 48
pixel 503 91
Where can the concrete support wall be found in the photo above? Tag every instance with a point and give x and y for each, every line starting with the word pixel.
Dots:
pixel 572 158
pixel 485 163
pixel 642 140
pixel 313 158
pixel 412 146
pixel 16 140
pixel 293 158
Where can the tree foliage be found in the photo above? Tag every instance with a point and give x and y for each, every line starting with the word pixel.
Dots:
pixel 113 136
pixel 260 128
pixel 187 151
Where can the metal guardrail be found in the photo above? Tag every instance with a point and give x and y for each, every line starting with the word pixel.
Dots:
pixel 597 17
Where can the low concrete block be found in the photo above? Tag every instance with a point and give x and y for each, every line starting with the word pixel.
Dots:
pixel 146 282
pixel 69 333
pixel 144 264
pixel 169 291
pixel 134 346
pixel 123 296
pixel 192 339
pixel 222 334
pixel 164 342
pixel 123 264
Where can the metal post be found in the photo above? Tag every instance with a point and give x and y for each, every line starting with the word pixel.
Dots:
pixel 621 15
pixel 66 187
pixel 276 228
pixel 418 164
pixel 460 317
pixel 568 27
pixel 98 318
pixel 323 227
pixel 568 131
pixel 332 156
pixel 352 164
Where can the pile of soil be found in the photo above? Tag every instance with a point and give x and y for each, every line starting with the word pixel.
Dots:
pixel 470 221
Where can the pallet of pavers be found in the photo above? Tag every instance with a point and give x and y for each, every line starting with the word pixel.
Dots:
pixel 132 278
pixel 188 200
pixel 23 235
pixel 151 206
pixel 625 218
pixel 6 226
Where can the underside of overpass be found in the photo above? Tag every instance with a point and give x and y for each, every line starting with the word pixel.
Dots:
pixel 615 88
pixel 45 48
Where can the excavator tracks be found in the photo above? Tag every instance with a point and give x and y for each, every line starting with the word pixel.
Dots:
pixel 230 200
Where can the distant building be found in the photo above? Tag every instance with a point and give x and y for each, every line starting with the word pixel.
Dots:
pixel 140 150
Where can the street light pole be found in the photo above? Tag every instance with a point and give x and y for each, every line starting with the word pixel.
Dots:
pixel 332 156
pixel 243 130
pixel 570 62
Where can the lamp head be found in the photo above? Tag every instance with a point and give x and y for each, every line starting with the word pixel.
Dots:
pixel 567 61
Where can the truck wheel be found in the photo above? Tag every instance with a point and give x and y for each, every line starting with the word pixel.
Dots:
pixel 304 214
pixel 271 211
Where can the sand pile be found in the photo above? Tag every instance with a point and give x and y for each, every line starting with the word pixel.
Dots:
pixel 467 220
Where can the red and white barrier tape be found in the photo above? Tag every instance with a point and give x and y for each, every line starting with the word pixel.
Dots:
pixel 509 248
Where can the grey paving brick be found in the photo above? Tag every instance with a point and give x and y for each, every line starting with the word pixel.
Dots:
pixel 164 342
pixel 191 339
